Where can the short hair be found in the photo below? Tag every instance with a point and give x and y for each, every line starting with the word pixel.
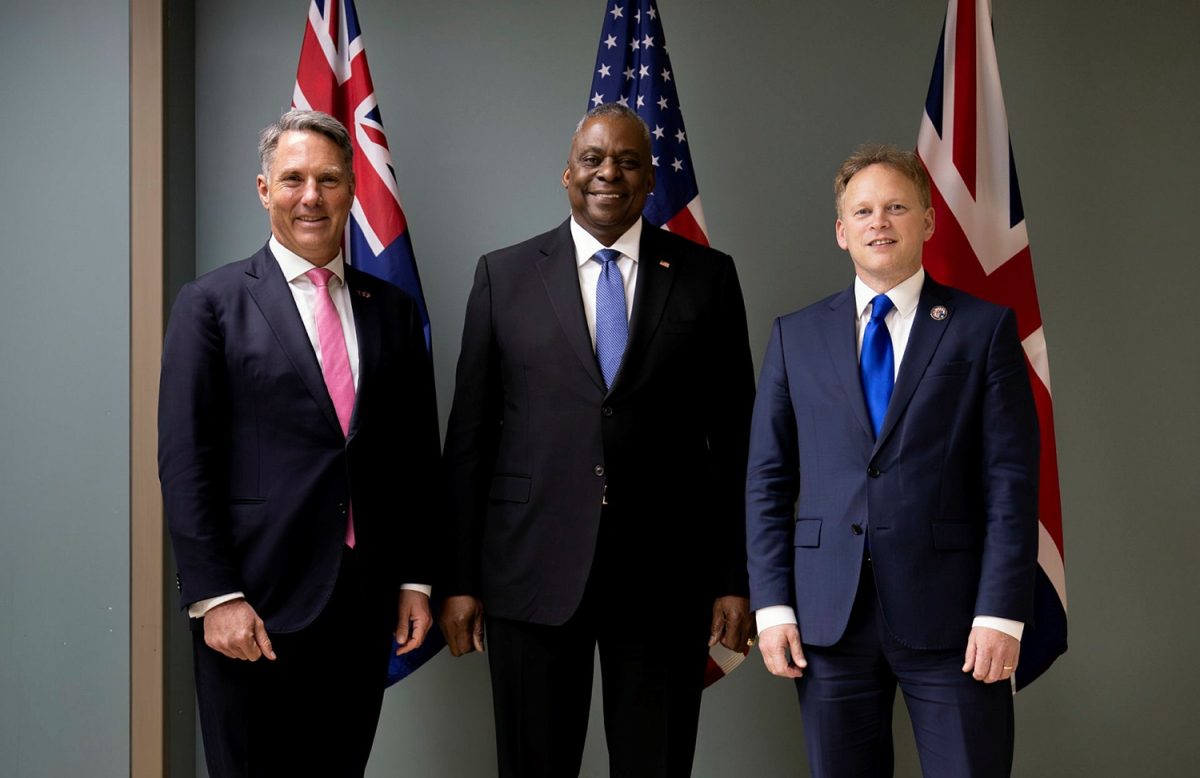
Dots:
pixel 907 163
pixel 616 111
pixel 304 121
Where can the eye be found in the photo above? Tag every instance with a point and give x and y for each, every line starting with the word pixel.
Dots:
pixel 862 212
pixel 897 208
pixel 590 160
pixel 630 164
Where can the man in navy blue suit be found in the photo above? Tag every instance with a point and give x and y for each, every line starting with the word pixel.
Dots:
pixel 892 497
pixel 298 454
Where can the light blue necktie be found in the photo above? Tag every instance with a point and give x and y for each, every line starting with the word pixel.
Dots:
pixel 877 366
pixel 612 327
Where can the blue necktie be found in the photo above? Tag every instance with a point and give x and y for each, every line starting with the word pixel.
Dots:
pixel 877 366
pixel 612 327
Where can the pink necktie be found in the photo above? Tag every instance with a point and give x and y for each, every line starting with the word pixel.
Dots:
pixel 335 362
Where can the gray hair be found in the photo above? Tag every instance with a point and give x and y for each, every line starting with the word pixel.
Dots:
pixel 616 111
pixel 907 163
pixel 304 121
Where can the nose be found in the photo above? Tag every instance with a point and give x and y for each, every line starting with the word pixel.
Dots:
pixel 879 219
pixel 312 192
pixel 609 169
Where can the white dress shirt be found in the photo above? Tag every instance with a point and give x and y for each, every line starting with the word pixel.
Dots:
pixel 899 321
pixel 589 272
pixel 304 293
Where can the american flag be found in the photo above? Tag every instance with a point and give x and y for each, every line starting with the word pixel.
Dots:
pixel 633 68
pixel 333 77
pixel 981 246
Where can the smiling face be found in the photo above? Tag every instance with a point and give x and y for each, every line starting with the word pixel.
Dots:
pixel 608 176
pixel 883 226
pixel 308 195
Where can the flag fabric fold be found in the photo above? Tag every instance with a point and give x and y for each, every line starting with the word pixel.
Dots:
pixel 634 69
pixel 333 77
pixel 980 245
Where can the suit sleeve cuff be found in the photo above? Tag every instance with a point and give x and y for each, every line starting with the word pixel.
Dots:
pixel 1007 626
pixel 424 589
pixel 773 616
pixel 200 607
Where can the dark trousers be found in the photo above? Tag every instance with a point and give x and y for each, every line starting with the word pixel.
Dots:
pixel 312 711
pixel 963 728
pixel 653 652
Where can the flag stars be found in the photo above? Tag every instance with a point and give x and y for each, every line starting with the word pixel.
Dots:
pixel 633 45
pixel 658 132
pixel 637 17
pixel 617 12
pixel 603 71
pixel 641 102
pixel 654 160
pixel 666 75
pixel 662 103
pixel 623 101
pixel 629 73
pixel 648 42
pixel 611 41
pixel 643 71
pixel 677 165
pixel 597 99
pixel 681 137
pixel 652 13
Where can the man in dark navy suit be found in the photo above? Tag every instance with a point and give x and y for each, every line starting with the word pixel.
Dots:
pixel 892 497
pixel 298 454
pixel 596 453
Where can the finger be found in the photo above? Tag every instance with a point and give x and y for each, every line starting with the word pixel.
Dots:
pixel 416 637
pixel 717 629
pixel 262 641
pixel 969 655
pixel 403 630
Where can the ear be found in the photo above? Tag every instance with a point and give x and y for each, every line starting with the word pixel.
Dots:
pixel 839 230
pixel 928 223
pixel 566 176
pixel 264 193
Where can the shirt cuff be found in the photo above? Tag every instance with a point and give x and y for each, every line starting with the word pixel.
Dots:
pixel 1007 626
pixel 424 589
pixel 773 616
pixel 200 607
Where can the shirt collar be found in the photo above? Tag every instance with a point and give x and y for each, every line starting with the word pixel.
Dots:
pixel 586 244
pixel 904 295
pixel 294 266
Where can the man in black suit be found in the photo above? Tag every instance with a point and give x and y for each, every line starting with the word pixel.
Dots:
pixel 596 456
pixel 298 443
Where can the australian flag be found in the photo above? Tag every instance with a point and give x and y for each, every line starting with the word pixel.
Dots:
pixel 333 77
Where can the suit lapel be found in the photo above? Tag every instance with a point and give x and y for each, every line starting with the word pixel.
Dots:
pixel 368 328
pixel 923 340
pixel 654 281
pixel 560 274
pixel 841 339
pixel 270 291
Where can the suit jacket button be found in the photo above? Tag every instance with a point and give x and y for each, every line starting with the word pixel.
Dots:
pixel 598 470
pixel 873 472
pixel 606 410
pixel 856 529
pixel 341 506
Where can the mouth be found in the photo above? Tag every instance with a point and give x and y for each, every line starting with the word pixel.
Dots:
pixel 311 219
pixel 607 197
pixel 880 242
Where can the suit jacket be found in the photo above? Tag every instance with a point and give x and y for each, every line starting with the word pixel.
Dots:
pixel 535 445
pixel 947 494
pixel 257 476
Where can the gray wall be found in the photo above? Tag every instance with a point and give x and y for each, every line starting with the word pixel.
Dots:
pixel 64 389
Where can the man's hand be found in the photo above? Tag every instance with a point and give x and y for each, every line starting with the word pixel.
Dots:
pixel 234 629
pixel 731 623
pixel 991 655
pixel 414 621
pixel 781 651
pixel 462 624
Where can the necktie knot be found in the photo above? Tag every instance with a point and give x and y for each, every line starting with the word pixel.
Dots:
pixel 606 256
pixel 880 306
pixel 319 276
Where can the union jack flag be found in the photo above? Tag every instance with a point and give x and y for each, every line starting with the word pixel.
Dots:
pixel 633 69
pixel 981 246
pixel 333 77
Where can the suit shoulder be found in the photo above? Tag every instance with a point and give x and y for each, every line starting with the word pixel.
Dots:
pixel 965 303
pixel 819 309
pixel 363 283
pixel 658 239
pixel 535 247
pixel 224 276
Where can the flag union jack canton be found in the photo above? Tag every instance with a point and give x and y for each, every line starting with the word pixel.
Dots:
pixel 980 245
pixel 333 77
pixel 633 69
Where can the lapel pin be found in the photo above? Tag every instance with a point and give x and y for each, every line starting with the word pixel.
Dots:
pixel 938 312
pixel 363 293
pixel 664 263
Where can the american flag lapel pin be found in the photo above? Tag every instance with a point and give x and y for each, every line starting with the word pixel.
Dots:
pixel 938 313
pixel 363 293
pixel 664 263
